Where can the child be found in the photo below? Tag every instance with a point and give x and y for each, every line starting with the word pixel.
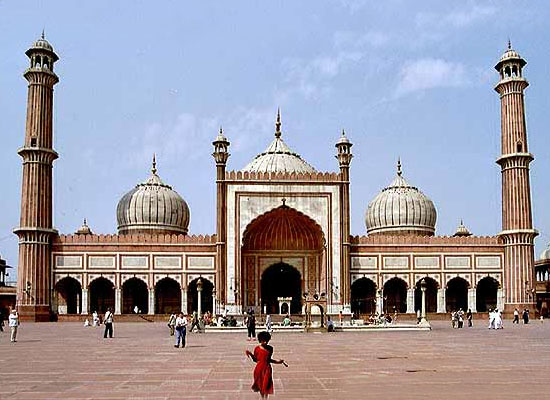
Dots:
pixel 263 381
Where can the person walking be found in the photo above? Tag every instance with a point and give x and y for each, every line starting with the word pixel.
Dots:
pixel 469 317
pixel 251 325
pixel 108 321
pixel 172 323
pixel 460 317
pixel 181 330
pixel 268 323
pixel 195 322
pixel 525 316
pixel 13 322
pixel 516 317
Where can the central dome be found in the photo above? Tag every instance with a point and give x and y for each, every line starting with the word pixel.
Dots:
pixel 278 157
pixel 401 209
pixel 152 207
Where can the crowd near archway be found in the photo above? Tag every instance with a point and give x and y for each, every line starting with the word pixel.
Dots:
pixel 431 295
pixel 167 296
pixel 69 294
pixel 486 294
pixel 281 280
pixel 135 294
pixel 456 294
pixel 102 295
pixel 363 297
pixel 395 295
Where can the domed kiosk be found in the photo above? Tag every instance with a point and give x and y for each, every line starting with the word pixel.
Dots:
pixel 401 209
pixel 152 207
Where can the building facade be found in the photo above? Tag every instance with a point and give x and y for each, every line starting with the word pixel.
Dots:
pixel 282 235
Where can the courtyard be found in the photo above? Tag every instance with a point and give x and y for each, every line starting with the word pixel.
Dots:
pixel 69 361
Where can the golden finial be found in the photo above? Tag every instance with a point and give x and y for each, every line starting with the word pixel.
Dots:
pixel 278 124
pixel 399 172
pixel 509 44
pixel 154 168
pixel 43 36
pixel 343 132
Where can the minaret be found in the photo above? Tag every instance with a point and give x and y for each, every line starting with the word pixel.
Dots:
pixel 221 154
pixel 517 221
pixel 36 228
pixel 344 157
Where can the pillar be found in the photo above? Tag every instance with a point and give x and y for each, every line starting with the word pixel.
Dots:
pixel 184 301
pixel 151 301
pixel 380 302
pixel 472 299
pixel 84 309
pixel 441 306
pixel 410 301
pixel 118 301
pixel 501 294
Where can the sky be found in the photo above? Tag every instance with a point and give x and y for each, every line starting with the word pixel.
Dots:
pixel 404 79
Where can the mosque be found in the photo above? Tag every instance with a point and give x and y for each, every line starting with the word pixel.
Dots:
pixel 282 240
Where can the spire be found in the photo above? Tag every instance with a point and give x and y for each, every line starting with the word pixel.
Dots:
pixel 399 172
pixel 278 124
pixel 154 167
pixel 43 36
pixel 343 132
pixel 509 44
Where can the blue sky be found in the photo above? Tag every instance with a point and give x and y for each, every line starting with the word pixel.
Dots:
pixel 408 79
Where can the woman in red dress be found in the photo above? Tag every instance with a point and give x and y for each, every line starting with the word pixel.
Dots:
pixel 263 381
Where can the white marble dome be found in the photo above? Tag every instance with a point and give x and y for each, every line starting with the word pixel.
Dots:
pixel 545 255
pixel 152 207
pixel 278 157
pixel 401 209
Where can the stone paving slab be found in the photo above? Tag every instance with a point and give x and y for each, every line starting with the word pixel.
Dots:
pixel 68 361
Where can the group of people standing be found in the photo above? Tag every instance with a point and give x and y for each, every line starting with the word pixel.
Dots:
pixel 524 316
pixel 495 319
pixel 457 318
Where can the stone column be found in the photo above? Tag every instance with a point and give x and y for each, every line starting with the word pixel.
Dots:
pixel 441 306
pixel 214 308
pixel 151 301
pixel 423 321
pixel 78 307
pixel 84 309
pixel 472 299
pixel 410 301
pixel 118 301
pixel 184 301
pixel 380 302
pixel 199 297
pixel 500 298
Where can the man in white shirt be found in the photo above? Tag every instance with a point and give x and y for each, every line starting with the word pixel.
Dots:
pixel 181 330
pixel 108 321
pixel 13 323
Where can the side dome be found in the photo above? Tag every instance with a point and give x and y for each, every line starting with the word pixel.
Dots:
pixel 545 255
pixel 401 209
pixel 278 157
pixel 152 207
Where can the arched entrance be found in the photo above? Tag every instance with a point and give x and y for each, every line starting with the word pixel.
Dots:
pixel 193 296
pixel 395 296
pixel 363 297
pixel 456 295
pixel 167 296
pixel 135 293
pixel 294 239
pixel 281 280
pixel 486 294
pixel 102 295
pixel 431 295
pixel 69 294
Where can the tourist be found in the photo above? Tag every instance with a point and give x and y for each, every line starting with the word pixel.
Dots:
pixel 491 319
pixel 181 330
pixel 287 321
pixel 268 323
pixel 516 317
pixel 330 324
pixel 195 322
pixel 525 316
pixel 251 325
pixel 95 319
pixel 460 318
pixel 172 323
pixel 469 317
pixel 13 322
pixel 498 319
pixel 454 319
pixel 263 380
pixel 108 321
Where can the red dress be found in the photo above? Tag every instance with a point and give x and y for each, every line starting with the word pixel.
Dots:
pixel 263 381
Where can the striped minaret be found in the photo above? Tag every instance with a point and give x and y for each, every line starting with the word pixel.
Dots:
pixel 517 220
pixel 36 228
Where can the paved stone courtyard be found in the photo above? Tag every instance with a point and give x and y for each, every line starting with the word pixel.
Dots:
pixel 68 361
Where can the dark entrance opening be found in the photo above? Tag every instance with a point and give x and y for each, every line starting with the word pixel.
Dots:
pixel 431 296
pixel 135 293
pixel 281 280
pixel 363 297
pixel 167 296
pixel 456 295
pixel 206 296
pixel 395 296
pixel 102 295
pixel 68 296
pixel 486 294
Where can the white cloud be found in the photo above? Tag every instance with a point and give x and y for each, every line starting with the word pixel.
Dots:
pixel 429 73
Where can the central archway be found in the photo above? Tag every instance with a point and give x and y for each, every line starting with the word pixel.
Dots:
pixel 281 280
pixel 363 297
pixel 135 294
pixel 395 296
